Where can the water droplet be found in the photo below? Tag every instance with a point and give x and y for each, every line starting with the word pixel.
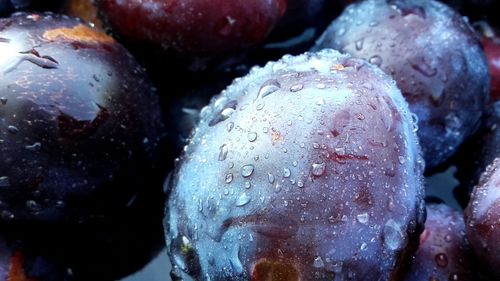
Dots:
pixel 359 44
pixel 320 86
pixel 252 136
pixel 441 260
pixel 286 172
pixel 402 160
pixel 223 152
pixel 318 169
pixel 392 235
pixel 32 205
pixel 3 100
pixel 4 181
pixel 318 262
pixel 268 88
pixel 12 129
pixel 376 60
pixel 447 238
pixel 230 126
pixel 296 88
pixel 341 31
pixel 373 23
pixel 243 199
pixel 225 112
pixel 247 170
pixel 363 246
pixel 300 183
pixel 270 177
pixel 360 116
pixel 229 178
pixel 363 218
pixel 34 147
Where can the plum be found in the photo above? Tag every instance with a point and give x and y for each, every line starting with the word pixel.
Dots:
pixel 79 120
pixel 434 56
pixel 477 153
pixel 491 45
pixel 482 219
pixel 444 252
pixel 305 169
pixel 194 27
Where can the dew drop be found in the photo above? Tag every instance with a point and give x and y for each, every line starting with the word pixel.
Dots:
pixel 363 246
pixel 270 177
pixel 3 100
pixel 402 160
pixel 441 260
pixel 229 178
pixel 247 170
pixel 34 147
pixel 243 199
pixel 359 44
pixel 268 88
pixel 318 169
pixel 296 88
pixel 252 136
pixel 392 235
pixel 363 218
pixel 286 173
pixel 12 129
pixel 223 152
pixel 318 262
pixel 376 60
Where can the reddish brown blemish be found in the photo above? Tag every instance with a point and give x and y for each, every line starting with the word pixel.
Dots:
pixel 274 270
pixel 16 271
pixel 80 33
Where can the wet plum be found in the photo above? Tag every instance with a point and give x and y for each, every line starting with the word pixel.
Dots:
pixel 305 169
pixel 79 120
pixel 477 153
pixel 444 252
pixel 491 45
pixel 434 56
pixel 194 27
pixel 482 219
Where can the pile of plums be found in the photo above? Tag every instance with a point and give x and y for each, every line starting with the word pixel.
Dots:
pixel 256 140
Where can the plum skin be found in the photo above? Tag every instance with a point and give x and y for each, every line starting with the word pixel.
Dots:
pixel 79 120
pixel 444 252
pixel 435 58
pixel 194 27
pixel 482 218
pixel 260 190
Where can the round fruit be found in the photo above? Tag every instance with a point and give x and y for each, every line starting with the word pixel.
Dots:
pixel 482 218
pixel 78 120
pixel 194 27
pixel 444 252
pixel 435 58
pixel 307 168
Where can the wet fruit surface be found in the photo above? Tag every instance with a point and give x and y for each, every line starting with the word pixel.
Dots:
pixel 482 218
pixel 78 119
pixel 194 27
pixel 444 252
pixel 306 169
pixel 435 58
